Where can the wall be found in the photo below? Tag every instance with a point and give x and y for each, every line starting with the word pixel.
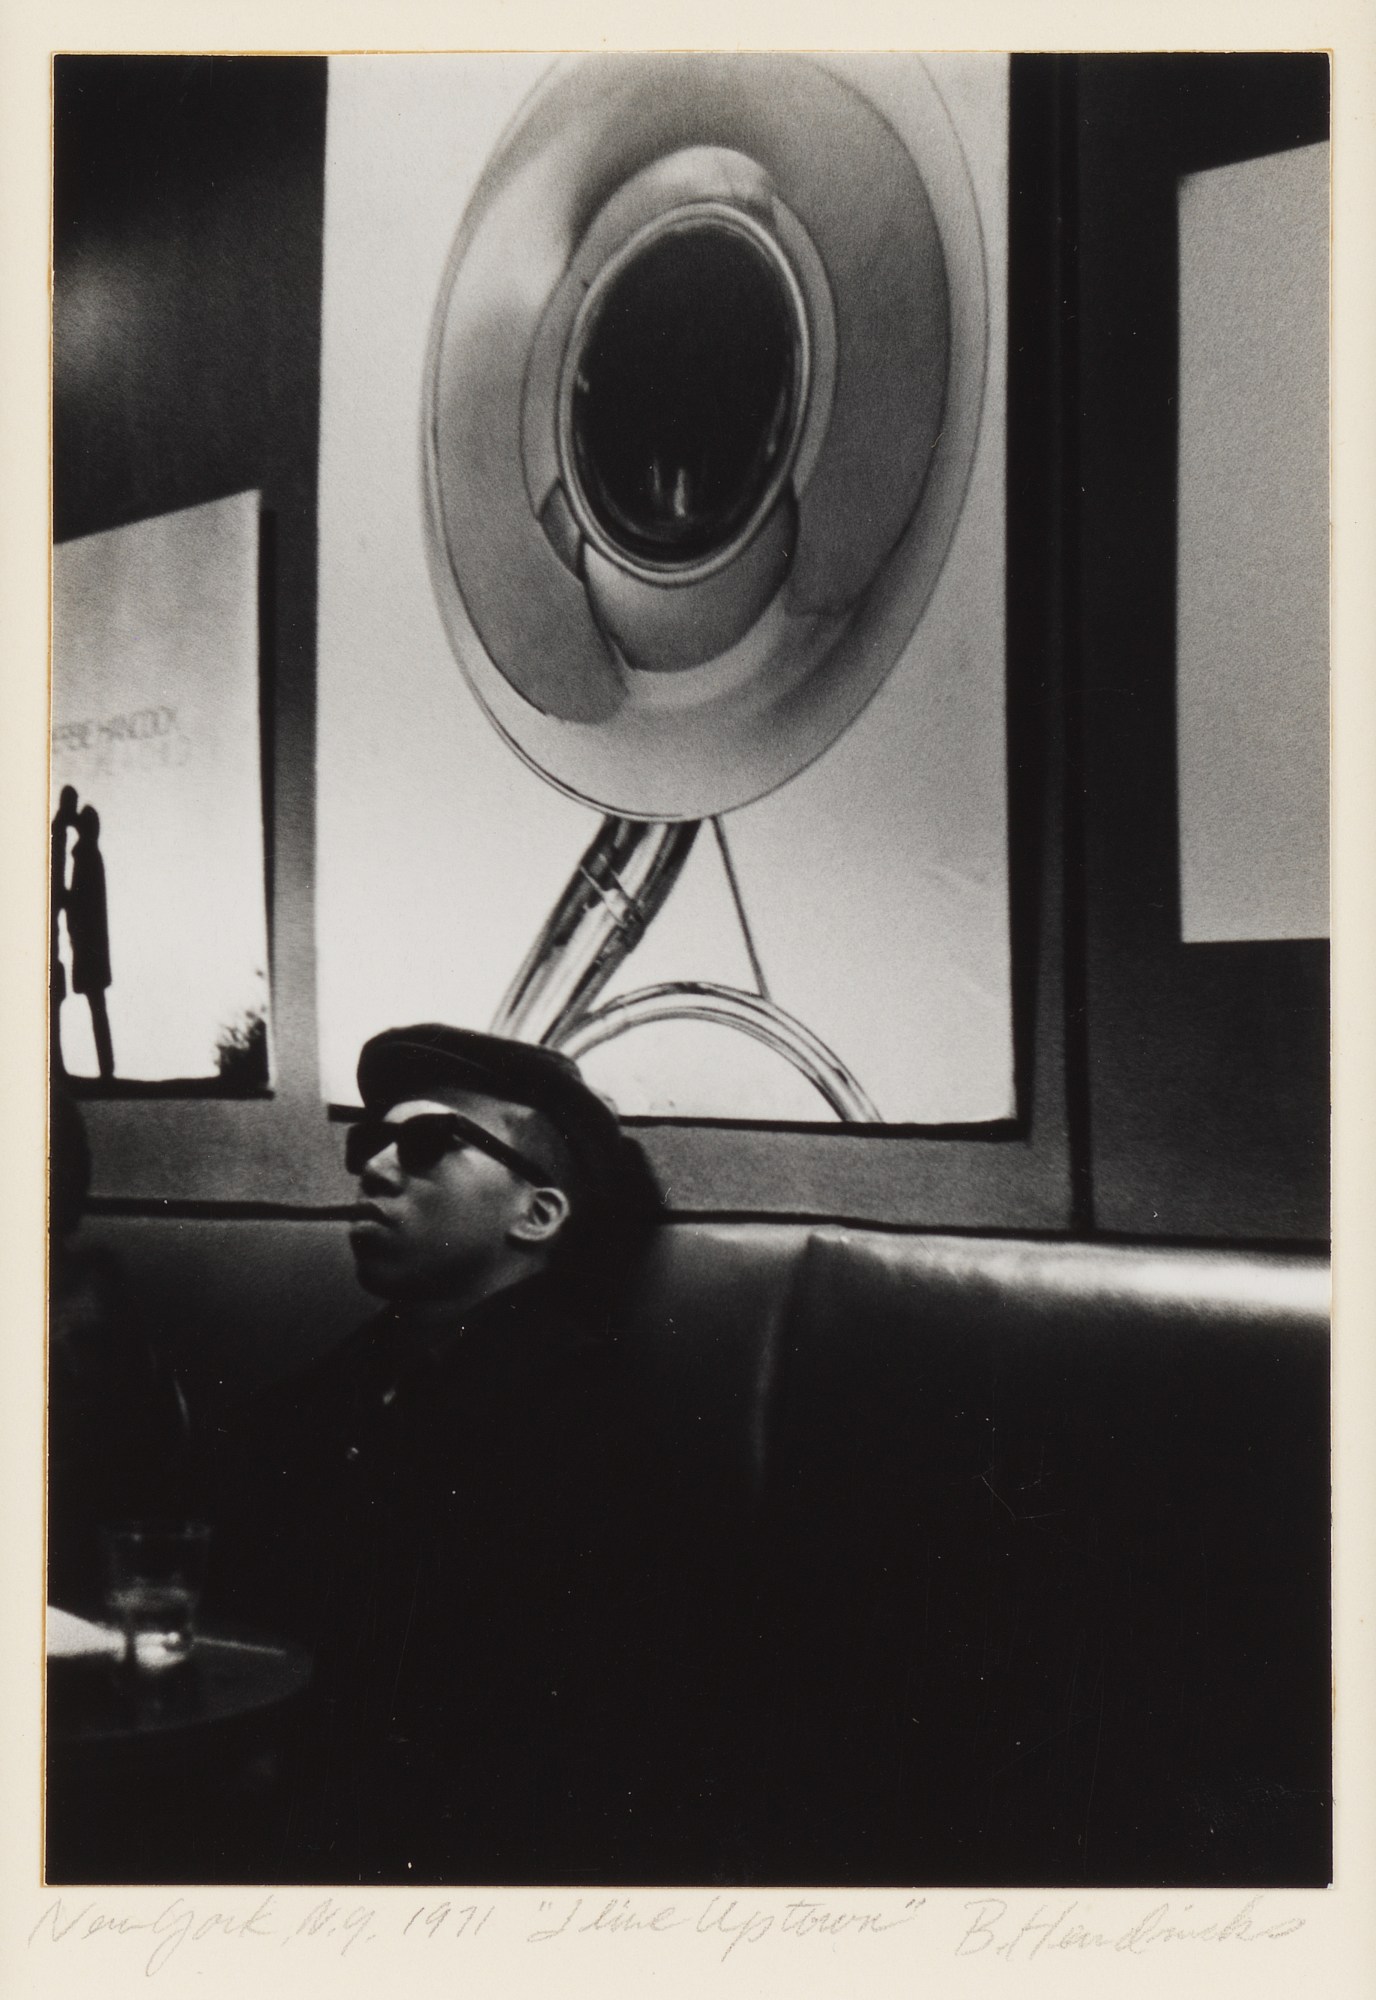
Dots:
pixel 1206 1065
pixel 1160 1090
pixel 187 210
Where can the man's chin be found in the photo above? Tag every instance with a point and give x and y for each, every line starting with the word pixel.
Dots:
pixel 390 1278
pixel 388 1275
pixel 371 1270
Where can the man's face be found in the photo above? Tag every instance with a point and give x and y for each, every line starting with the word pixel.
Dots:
pixel 430 1234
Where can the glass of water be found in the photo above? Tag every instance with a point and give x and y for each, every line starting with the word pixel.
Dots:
pixel 154 1575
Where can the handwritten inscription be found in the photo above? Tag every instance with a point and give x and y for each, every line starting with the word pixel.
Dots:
pixel 995 1928
pixel 718 1926
pixel 169 1929
pixel 722 1917
pixel 450 1917
pixel 723 1920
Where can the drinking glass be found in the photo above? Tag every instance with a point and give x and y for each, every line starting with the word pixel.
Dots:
pixel 154 1575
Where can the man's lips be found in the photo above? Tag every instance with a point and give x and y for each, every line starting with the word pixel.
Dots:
pixel 366 1217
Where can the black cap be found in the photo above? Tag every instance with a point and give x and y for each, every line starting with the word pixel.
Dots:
pixel 408 1062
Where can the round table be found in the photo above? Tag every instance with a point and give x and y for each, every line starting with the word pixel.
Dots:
pixel 168 1775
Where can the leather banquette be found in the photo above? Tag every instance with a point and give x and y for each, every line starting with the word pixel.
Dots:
pixel 1031 1536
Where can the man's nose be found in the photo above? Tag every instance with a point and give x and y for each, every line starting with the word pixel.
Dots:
pixel 382 1170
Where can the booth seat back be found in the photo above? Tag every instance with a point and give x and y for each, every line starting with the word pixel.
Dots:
pixel 240 1303
pixel 1047 1555
pixel 1033 1536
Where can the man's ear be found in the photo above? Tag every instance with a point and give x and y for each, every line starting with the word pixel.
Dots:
pixel 542 1217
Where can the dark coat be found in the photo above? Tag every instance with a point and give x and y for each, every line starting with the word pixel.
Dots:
pixel 57 901
pixel 88 923
pixel 452 1529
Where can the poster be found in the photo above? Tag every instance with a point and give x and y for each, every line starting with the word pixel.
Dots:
pixel 854 890
pixel 158 888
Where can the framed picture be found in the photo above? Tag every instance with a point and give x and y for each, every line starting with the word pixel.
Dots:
pixel 159 922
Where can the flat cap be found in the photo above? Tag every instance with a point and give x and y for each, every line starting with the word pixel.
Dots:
pixel 407 1062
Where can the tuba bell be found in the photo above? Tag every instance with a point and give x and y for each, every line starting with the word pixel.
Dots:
pixel 701 399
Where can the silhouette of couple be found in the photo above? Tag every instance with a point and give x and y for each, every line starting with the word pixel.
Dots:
pixel 80 896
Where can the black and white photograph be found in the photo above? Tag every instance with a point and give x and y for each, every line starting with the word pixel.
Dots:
pixel 688 1027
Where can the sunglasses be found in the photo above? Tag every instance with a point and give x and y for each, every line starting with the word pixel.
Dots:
pixel 423 1141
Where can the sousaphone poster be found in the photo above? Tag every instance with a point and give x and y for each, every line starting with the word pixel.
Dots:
pixel 661 633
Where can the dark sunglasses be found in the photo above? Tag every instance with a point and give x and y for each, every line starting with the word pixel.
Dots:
pixel 423 1141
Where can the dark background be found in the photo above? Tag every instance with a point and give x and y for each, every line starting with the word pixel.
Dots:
pixel 1164 1090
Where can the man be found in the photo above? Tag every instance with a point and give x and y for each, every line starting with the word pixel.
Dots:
pixel 88 930
pixel 447 1513
pixel 507 1164
pixel 119 1433
pixel 64 821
